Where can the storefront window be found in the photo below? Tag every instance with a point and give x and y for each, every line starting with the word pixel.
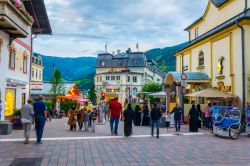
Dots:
pixel 10 102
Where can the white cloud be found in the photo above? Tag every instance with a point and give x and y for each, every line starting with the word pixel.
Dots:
pixel 83 27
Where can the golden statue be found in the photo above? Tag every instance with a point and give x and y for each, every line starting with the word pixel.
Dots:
pixel 220 65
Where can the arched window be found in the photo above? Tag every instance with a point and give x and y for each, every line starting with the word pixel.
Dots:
pixel 135 90
pixel 201 58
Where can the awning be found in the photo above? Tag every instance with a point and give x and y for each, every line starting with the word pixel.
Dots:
pixel 211 93
pixel 158 94
pixel 174 77
pixel 74 98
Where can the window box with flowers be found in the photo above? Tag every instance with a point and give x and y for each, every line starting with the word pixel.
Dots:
pixel 14 18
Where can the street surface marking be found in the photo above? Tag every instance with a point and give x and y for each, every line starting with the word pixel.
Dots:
pixel 100 137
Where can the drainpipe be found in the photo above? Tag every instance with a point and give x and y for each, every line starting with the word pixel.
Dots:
pixel 31 55
pixel 246 6
pixel 243 63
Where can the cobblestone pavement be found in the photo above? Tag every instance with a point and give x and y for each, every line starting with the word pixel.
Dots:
pixel 59 128
pixel 194 149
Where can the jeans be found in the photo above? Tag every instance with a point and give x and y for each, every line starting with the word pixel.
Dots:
pixel 177 125
pixel 27 129
pixel 80 125
pixel 112 120
pixel 153 123
pixel 207 122
pixel 40 123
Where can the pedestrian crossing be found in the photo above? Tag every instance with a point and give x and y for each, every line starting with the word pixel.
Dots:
pixel 101 137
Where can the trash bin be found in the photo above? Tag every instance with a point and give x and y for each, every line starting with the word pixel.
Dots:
pixel 5 127
pixel 163 122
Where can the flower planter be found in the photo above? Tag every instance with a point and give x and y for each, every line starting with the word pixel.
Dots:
pixel 17 123
pixel 12 20
pixel 5 127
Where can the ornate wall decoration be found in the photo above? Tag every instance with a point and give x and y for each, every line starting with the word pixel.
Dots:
pixel 19 61
pixel 220 65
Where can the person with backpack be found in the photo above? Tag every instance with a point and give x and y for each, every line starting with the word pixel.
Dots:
pixel 155 115
pixel 177 111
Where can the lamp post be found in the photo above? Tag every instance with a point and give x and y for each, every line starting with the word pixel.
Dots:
pixel 183 69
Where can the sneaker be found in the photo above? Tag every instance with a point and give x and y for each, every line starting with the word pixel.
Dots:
pixel 157 137
pixel 39 142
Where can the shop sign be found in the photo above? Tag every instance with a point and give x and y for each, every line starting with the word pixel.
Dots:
pixel 36 85
pixel 184 83
pixel 11 85
pixel 183 77
pixel 184 90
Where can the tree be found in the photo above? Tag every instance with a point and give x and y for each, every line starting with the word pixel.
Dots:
pixel 92 95
pixel 57 87
pixel 152 87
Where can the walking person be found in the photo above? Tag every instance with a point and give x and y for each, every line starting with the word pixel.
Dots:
pixel 208 115
pixel 155 116
pixel 105 110
pixel 128 116
pixel 80 118
pixel 39 109
pixel 177 117
pixel 137 115
pixel 89 110
pixel 72 118
pixel 27 115
pixel 145 117
pixel 85 119
pixel 193 116
pixel 115 109
pixel 198 107
pixel 93 117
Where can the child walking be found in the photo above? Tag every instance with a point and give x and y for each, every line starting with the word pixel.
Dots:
pixel 85 119
pixel 93 117
pixel 72 118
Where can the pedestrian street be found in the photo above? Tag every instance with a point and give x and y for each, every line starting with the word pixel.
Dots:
pixel 62 147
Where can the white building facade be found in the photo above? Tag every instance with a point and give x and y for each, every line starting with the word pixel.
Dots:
pixel 16 50
pixel 123 75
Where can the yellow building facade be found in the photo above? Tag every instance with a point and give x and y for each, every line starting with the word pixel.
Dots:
pixel 218 47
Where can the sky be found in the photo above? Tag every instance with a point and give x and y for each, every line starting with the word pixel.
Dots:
pixel 84 27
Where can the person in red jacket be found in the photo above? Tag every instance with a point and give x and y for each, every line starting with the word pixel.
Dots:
pixel 115 109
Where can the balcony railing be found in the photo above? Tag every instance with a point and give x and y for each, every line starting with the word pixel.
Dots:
pixel 13 21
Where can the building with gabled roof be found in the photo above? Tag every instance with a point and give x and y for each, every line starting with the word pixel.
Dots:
pixel 123 74
pixel 217 48
pixel 16 30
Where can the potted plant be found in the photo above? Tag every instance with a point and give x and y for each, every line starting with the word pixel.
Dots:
pixel 16 120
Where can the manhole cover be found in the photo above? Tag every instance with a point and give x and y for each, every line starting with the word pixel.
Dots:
pixel 26 162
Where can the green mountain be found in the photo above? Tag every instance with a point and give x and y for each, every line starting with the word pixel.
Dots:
pixel 165 57
pixel 82 69
pixel 71 68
